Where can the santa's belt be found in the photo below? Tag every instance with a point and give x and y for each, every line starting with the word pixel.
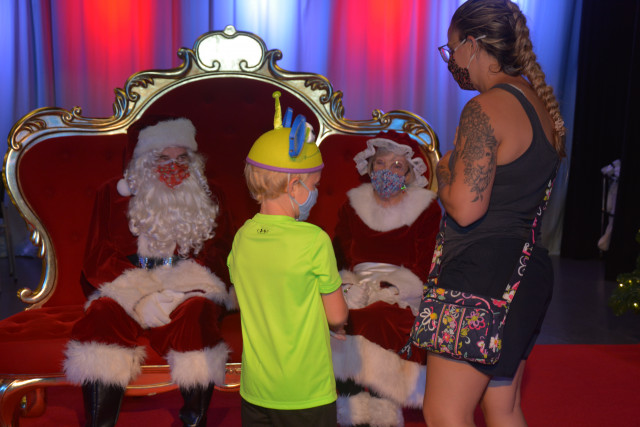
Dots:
pixel 149 263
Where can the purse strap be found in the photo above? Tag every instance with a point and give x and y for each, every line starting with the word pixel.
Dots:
pixel 527 249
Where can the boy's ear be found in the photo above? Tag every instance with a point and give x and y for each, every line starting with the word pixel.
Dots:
pixel 292 181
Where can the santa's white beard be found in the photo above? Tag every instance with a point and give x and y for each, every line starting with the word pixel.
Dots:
pixel 183 216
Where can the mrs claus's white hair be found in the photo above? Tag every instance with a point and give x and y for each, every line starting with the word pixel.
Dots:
pixel 182 216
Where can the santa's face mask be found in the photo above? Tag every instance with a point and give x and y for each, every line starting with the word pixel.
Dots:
pixel 173 172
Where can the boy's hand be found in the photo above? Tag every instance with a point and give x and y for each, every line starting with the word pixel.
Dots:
pixel 338 332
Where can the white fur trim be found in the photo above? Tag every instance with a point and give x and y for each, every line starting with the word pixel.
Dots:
pixel 199 368
pixel 123 188
pixel 186 276
pixel 418 165
pixel 169 133
pixel 385 218
pixel 383 371
pixel 233 299
pixel 128 288
pixel 363 408
pixel 106 363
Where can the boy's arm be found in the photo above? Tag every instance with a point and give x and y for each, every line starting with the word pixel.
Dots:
pixel 336 310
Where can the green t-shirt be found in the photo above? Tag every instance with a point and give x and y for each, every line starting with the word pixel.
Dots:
pixel 279 267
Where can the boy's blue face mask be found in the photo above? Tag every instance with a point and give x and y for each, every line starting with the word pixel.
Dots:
pixel 305 208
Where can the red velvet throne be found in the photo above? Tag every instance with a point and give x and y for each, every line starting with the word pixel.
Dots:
pixel 57 159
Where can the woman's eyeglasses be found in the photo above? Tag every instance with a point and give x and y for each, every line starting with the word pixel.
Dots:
pixel 446 52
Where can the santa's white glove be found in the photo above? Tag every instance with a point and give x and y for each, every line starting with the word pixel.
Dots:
pixel 154 309
pixel 356 295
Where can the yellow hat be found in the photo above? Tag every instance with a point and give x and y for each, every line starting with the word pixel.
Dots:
pixel 286 149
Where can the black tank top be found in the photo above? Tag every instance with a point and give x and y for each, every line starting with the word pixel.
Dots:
pixel 517 191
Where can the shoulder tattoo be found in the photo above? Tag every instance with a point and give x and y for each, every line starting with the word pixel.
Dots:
pixel 476 148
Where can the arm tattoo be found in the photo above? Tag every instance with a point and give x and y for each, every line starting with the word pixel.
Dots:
pixel 478 152
pixel 443 174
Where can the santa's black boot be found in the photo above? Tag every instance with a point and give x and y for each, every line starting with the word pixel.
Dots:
pixel 196 405
pixel 102 403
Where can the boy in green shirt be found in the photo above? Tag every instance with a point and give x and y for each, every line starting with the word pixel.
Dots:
pixel 288 286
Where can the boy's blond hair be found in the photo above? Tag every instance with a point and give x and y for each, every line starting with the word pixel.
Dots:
pixel 265 184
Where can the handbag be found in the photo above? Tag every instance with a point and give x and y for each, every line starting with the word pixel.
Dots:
pixel 468 326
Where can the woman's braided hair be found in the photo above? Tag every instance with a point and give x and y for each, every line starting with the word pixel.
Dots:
pixel 507 39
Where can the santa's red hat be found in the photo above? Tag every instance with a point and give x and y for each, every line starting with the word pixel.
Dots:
pixel 169 133
pixel 178 132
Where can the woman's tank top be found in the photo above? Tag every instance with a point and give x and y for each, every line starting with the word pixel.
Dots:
pixel 517 191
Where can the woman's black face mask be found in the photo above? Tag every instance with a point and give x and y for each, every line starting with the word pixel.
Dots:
pixel 460 75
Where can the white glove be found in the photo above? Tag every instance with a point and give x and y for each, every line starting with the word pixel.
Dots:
pixel 154 309
pixel 356 295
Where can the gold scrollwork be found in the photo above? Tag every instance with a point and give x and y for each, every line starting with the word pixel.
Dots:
pixel 24 130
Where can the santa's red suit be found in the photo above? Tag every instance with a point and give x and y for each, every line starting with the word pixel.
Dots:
pixel 172 302
pixel 384 253
pixel 111 331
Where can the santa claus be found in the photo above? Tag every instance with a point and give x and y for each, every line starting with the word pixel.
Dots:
pixel 158 274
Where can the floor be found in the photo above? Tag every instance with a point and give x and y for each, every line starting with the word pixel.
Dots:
pixel 578 313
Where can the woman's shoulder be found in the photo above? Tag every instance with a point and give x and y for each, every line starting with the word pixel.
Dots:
pixel 492 101
pixel 497 114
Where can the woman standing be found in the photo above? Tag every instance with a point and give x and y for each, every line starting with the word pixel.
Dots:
pixel 508 144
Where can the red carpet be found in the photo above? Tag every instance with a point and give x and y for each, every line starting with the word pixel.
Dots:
pixel 564 385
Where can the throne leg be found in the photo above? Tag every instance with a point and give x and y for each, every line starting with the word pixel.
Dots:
pixel 14 390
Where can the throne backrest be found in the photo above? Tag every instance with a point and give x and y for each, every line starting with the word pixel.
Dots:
pixel 57 159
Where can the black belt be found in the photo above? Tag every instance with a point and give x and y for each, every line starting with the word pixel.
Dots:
pixel 149 263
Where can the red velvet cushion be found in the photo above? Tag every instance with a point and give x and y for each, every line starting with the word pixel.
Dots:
pixel 59 178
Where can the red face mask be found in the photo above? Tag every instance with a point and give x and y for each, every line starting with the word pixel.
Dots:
pixel 173 173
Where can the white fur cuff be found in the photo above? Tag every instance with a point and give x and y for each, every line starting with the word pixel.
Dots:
pixel 366 409
pixel 200 367
pixel 383 371
pixel 106 363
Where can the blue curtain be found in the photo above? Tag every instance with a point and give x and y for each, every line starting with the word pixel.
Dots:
pixel 381 54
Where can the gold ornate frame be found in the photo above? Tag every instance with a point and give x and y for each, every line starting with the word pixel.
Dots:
pixel 217 54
